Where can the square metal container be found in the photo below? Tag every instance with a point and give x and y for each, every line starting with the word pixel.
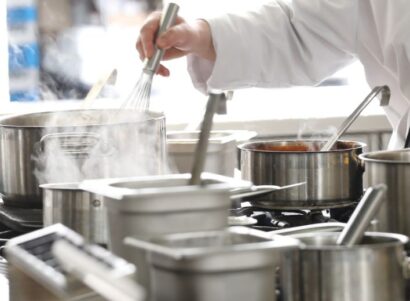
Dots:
pixel 232 264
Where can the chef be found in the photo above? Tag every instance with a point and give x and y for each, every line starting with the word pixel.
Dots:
pixel 299 42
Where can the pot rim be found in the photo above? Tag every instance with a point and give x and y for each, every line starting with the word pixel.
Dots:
pixel 365 157
pixel 246 146
pixel 399 239
pixel 7 118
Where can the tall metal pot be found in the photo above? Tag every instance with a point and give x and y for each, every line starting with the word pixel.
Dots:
pixel 374 270
pixel 129 143
pixel 393 169
pixel 80 210
pixel 333 178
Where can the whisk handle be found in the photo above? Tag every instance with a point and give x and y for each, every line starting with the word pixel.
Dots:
pixel 167 20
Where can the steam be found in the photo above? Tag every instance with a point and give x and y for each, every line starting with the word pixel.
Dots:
pixel 313 131
pixel 88 144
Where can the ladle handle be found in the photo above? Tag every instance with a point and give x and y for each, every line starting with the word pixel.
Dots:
pixel 202 144
pixel 362 215
pixel 348 122
pixel 168 19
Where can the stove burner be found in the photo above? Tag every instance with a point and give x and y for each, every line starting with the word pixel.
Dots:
pixel 269 220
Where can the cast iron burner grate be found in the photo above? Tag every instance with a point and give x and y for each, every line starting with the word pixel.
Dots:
pixel 269 220
pixel 21 220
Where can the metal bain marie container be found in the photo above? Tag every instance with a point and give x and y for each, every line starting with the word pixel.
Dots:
pixel 233 264
pixel 145 207
pixel 220 155
pixel 333 178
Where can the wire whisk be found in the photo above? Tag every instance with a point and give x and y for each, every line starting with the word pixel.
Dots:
pixel 139 98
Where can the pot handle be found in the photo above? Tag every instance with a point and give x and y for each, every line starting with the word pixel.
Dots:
pixel 406 266
pixel 72 141
pixel 320 227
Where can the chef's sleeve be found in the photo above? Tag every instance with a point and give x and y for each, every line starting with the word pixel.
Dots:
pixel 279 45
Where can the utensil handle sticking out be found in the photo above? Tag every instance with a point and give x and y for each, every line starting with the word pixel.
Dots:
pixel 362 215
pixel 168 19
pixel 348 122
pixel 202 145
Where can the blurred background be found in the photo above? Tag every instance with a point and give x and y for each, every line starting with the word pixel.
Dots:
pixel 54 50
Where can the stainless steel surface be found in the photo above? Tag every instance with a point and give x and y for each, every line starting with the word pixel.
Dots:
pixel 324 271
pixel 202 145
pixel 167 20
pixel 333 178
pixel 221 155
pixel 139 134
pixel 233 264
pixel 82 211
pixel 148 206
pixel 33 273
pixel 362 216
pixel 384 101
pixel 393 169
pixel 107 275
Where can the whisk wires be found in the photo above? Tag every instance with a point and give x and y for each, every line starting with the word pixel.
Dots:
pixel 139 98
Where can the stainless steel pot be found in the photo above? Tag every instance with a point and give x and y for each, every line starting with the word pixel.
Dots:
pixel 333 178
pixel 82 211
pixel 233 264
pixel 138 140
pixel 393 169
pixel 373 270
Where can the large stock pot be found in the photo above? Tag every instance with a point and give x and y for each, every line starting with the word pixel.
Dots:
pixel 125 142
pixel 333 178
pixel 393 169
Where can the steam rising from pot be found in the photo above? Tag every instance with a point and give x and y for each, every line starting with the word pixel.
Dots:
pixel 88 144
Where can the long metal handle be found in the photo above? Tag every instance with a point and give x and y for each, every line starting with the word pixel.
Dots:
pixel 261 189
pixel 202 144
pixel 320 227
pixel 347 123
pixel 167 20
pixel 362 215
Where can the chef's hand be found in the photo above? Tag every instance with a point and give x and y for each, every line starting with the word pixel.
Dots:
pixel 179 40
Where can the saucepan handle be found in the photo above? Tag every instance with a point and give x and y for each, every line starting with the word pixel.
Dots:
pixel 406 266
pixel 315 228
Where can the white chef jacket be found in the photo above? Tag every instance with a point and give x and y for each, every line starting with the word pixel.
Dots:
pixel 301 42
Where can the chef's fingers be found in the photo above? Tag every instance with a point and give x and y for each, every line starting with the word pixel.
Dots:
pixel 147 34
pixel 180 36
pixel 173 53
pixel 140 50
pixel 162 70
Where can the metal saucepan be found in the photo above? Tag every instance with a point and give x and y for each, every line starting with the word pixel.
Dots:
pixel 137 138
pixel 393 169
pixel 333 178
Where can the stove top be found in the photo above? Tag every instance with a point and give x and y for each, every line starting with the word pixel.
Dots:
pixel 269 220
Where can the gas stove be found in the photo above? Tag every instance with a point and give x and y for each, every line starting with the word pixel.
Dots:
pixel 270 220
